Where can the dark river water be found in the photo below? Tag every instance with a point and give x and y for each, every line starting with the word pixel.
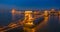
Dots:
pixel 53 24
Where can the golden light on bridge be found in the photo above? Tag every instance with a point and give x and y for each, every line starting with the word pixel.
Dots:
pixel 27 23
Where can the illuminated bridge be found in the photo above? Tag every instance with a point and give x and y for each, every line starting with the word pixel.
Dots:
pixel 28 22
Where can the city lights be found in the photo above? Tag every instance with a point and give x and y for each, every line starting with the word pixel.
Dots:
pixel 29 17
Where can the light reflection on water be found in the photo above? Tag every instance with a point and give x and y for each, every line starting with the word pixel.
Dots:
pixel 53 24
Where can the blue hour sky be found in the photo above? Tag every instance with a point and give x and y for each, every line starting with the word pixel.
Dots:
pixel 18 4
pixel 5 17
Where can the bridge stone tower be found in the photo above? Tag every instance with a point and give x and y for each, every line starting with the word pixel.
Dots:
pixel 28 22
